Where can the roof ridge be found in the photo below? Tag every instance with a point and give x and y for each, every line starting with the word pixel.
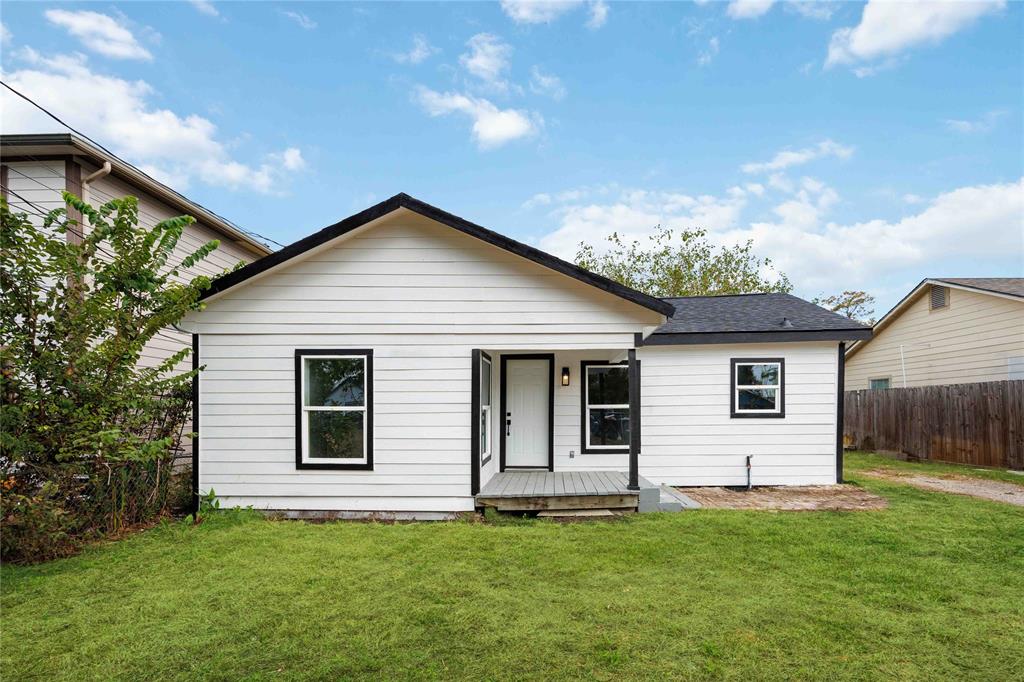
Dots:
pixel 752 293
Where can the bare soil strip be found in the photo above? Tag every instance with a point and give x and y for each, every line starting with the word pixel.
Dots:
pixel 1000 491
pixel 790 498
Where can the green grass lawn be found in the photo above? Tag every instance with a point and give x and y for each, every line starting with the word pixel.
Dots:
pixel 931 588
pixel 866 460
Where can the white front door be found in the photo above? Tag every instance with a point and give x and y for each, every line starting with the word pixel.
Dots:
pixel 527 392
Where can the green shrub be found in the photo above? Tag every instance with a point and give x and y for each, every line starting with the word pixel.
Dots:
pixel 87 435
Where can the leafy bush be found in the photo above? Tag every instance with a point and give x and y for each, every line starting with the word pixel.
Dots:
pixel 87 435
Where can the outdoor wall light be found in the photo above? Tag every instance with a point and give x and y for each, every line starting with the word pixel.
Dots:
pixel 565 376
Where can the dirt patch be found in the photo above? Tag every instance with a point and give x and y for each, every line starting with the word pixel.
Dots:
pixel 1000 491
pixel 790 498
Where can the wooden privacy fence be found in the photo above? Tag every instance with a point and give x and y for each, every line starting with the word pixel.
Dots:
pixel 980 424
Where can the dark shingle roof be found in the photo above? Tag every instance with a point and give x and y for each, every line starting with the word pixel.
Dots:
pixel 1014 286
pixel 751 313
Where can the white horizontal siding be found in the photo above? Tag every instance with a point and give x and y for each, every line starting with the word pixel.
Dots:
pixel 975 338
pixel 689 438
pixel 422 296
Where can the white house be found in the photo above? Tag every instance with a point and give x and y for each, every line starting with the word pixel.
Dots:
pixel 407 361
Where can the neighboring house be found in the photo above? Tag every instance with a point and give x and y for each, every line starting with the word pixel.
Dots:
pixel 945 331
pixel 408 361
pixel 34 169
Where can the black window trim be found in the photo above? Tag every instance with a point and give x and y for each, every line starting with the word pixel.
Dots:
pixel 734 413
pixel 301 353
pixel 585 447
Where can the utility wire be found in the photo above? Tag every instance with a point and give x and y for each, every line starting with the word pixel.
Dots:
pixel 46 111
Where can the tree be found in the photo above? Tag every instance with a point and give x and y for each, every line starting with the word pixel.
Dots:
pixel 683 265
pixel 80 416
pixel 856 305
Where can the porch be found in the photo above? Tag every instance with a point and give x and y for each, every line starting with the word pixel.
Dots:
pixel 570 490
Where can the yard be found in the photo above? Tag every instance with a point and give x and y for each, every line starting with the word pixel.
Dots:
pixel 930 588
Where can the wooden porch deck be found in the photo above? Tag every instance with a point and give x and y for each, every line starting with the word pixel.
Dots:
pixel 540 490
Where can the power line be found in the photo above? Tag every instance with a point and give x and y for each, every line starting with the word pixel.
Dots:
pixel 46 111
pixel 152 217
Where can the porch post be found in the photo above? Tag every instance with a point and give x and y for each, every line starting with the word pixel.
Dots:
pixel 634 421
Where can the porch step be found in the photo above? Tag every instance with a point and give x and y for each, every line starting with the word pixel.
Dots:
pixel 576 513
pixel 673 500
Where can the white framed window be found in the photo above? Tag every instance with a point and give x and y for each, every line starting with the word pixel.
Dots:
pixel 605 407
pixel 334 409
pixel 758 387
pixel 485 408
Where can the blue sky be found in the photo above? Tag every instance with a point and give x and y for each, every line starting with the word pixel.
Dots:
pixel 859 146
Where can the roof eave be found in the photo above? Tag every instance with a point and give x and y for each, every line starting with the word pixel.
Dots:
pixel 911 297
pixel 800 335
pixel 472 229
pixel 79 146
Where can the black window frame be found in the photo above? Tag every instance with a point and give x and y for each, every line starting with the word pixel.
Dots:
pixel 585 447
pixel 734 412
pixel 300 354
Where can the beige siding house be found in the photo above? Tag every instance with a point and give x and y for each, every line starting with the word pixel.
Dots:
pixel 34 169
pixel 946 331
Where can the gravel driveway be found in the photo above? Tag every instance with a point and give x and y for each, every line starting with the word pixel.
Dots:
pixel 1000 491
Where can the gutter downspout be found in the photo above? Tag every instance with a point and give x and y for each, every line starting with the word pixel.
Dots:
pixel 102 172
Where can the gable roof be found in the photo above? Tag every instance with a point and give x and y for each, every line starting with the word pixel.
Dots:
pixel 745 318
pixel 31 147
pixel 424 209
pixel 1003 287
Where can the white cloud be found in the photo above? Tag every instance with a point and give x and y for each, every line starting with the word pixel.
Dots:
pixel 547 11
pixel 812 9
pixel 983 222
pixel 5 35
pixel 796 157
pixel 119 113
pixel 706 56
pixel 100 33
pixel 815 256
pixel 205 7
pixel 290 158
pixel 590 216
pixel 546 84
pixel 299 18
pixel 598 14
pixel 537 11
pixel 983 124
pixel 420 51
pixel 887 29
pixel 488 60
pixel 748 9
pixel 492 127
pixel 912 199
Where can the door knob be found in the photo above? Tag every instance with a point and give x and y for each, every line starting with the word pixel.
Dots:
pixel 508 427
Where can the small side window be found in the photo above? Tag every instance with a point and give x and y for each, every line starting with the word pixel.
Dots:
pixel 878 384
pixel 758 387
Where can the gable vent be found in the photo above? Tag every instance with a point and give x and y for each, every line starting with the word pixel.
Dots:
pixel 940 297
